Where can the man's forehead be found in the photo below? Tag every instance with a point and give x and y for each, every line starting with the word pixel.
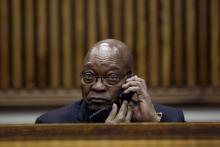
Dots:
pixel 93 65
pixel 105 50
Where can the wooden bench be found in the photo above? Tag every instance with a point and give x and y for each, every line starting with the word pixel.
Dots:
pixel 123 135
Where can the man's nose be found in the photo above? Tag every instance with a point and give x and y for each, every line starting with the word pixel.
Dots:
pixel 99 85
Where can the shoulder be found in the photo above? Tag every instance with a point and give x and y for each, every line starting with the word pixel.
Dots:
pixel 170 114
pixel 61 115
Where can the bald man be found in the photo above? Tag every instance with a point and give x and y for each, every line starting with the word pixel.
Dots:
pixel 108 73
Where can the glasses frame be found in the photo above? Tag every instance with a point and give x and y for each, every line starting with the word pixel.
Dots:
pixel 129 74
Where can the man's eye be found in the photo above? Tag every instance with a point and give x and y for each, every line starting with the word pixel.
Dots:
pixel 113 78
pixel 88 75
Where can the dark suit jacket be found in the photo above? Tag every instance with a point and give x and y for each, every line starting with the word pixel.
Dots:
pixel 77 113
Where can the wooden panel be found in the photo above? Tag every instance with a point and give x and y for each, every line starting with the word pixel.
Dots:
pixel 190 43
pixel 17 51
pixel 29 45
pixel 113 143
pixel 91 131
pixel 42 49
pixel 4 53
pixel 54 45
pixel 142 39
pixel 117 19
pixel 175 44
pixel 154 42
pixel 166 46
pixel 129 24
pixel 92 23
pixel 215 53
pixel 103 13
pixel 67 53
pixel 203 39
pixel 79 39
pixel 62 97
pixel 178 43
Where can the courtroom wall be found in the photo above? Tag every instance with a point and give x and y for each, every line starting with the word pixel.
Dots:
pixel 175 44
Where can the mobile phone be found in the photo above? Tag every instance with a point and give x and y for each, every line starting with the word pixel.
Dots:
pixel 122 97
pixel 102 114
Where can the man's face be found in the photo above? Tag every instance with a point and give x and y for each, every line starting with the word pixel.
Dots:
pixel 102 62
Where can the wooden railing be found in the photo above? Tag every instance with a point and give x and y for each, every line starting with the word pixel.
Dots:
pixel 102 135
pixel 175 44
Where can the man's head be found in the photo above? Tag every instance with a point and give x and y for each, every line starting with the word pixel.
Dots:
pixel 111 60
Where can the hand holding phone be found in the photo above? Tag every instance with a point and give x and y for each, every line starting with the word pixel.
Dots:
pixel 122 97
pixel 102 114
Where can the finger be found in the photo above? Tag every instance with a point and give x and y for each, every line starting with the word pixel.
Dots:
pixel 128 115
pixel 130 79
pixel 123 108
pixel 134 89
pixel 138 79
pixel 113 113
pixel 134 78
pixel 131 83
pixel 122 112
pixel 135 81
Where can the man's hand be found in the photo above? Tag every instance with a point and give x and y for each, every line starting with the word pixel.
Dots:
pixel 122 116
pixel 144 111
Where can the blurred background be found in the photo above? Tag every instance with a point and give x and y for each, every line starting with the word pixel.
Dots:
pixel 42 44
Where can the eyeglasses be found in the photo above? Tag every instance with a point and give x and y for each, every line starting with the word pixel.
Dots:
pixel 112 79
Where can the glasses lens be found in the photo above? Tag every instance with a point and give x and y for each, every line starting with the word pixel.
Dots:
pixel 112 80
pixel 88 77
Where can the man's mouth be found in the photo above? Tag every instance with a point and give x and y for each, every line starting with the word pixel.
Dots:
pixel 97 100
pixel 96 103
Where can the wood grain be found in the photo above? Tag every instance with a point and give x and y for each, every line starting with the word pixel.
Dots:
pixel 54 45
pixel 29 45
pixel 17 69
pixel 79 40
pixel 154 44
pixel 215 53
pixel 103 14
pixel 121 131
pixel 166 43
pixel 178 43
pixel 92 19
pixel 117 19
pixel 142 40
pixel 42 46
pixel 114 143
pixel 190 43
pixel 67 49
pixel 129 24
pixel 203 40
pixel 4 52
pixel 175 44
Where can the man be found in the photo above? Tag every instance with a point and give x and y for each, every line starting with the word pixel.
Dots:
pixel 108 72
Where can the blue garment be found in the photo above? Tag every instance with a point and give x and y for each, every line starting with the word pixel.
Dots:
pixel 77 112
